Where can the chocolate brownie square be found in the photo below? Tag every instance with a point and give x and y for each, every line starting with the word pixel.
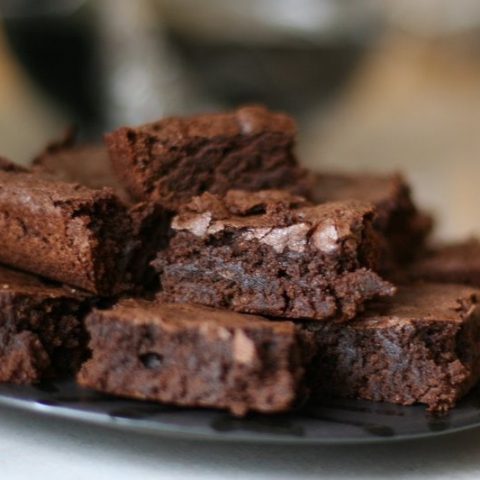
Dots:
pixel 271 253
pixel 41 328
pixel 421 346
pixel 195 356
pixel 397 218
pixel 451 263
pixel 63 231
pixel 175 159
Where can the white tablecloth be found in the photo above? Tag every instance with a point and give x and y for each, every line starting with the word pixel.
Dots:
pixel 37 448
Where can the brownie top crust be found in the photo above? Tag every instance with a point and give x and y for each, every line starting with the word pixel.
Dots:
pixel 272 253
pixel 422 302
pixel 377 189
pixel 45 193
pixel 451 263
pixel 16 282
pixel 396 216
pixel 249 120
pixel 390 194
pixel 143 312
pixel 276 218
pixel 88 165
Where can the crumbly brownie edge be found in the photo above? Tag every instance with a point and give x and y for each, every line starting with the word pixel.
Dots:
pixel 419 361
pixel 174 179
pixel 41 338
pixel 225 270
pixel 189 368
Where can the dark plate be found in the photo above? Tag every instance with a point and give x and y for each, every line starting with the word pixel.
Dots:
pixel 335 422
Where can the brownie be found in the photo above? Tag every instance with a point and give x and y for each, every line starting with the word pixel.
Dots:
pixel 195 356
pixel 397 217
pixel 88 165
pixel 175 159
pixel 451 263
pixel 271 253
pixel 63 231
pixel 421 346
pixel 41 328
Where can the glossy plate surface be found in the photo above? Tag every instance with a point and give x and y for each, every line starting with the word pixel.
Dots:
pixel 334 422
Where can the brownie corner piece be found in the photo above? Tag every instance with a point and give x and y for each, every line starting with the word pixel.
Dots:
pixel 41 328
pixel 177 158
pixel 195 356
pixel 421 346
pixel 65 232
pixel 268 253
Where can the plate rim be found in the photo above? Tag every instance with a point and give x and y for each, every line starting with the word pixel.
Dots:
pixel 162 430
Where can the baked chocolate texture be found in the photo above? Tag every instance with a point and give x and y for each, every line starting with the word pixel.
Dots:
pixel 63 231
pixel 175 159
pixel 451 263
pixel 41 329
pixel 271 253
pixel 397 218
pixel 195 356
pixel 88 165
pixel 421 346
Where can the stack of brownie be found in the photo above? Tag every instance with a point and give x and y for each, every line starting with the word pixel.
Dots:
pixel 194 261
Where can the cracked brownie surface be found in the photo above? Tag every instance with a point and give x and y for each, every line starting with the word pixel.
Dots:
pixel 272 253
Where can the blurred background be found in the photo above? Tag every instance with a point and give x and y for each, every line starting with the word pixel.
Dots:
pixel 374 84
